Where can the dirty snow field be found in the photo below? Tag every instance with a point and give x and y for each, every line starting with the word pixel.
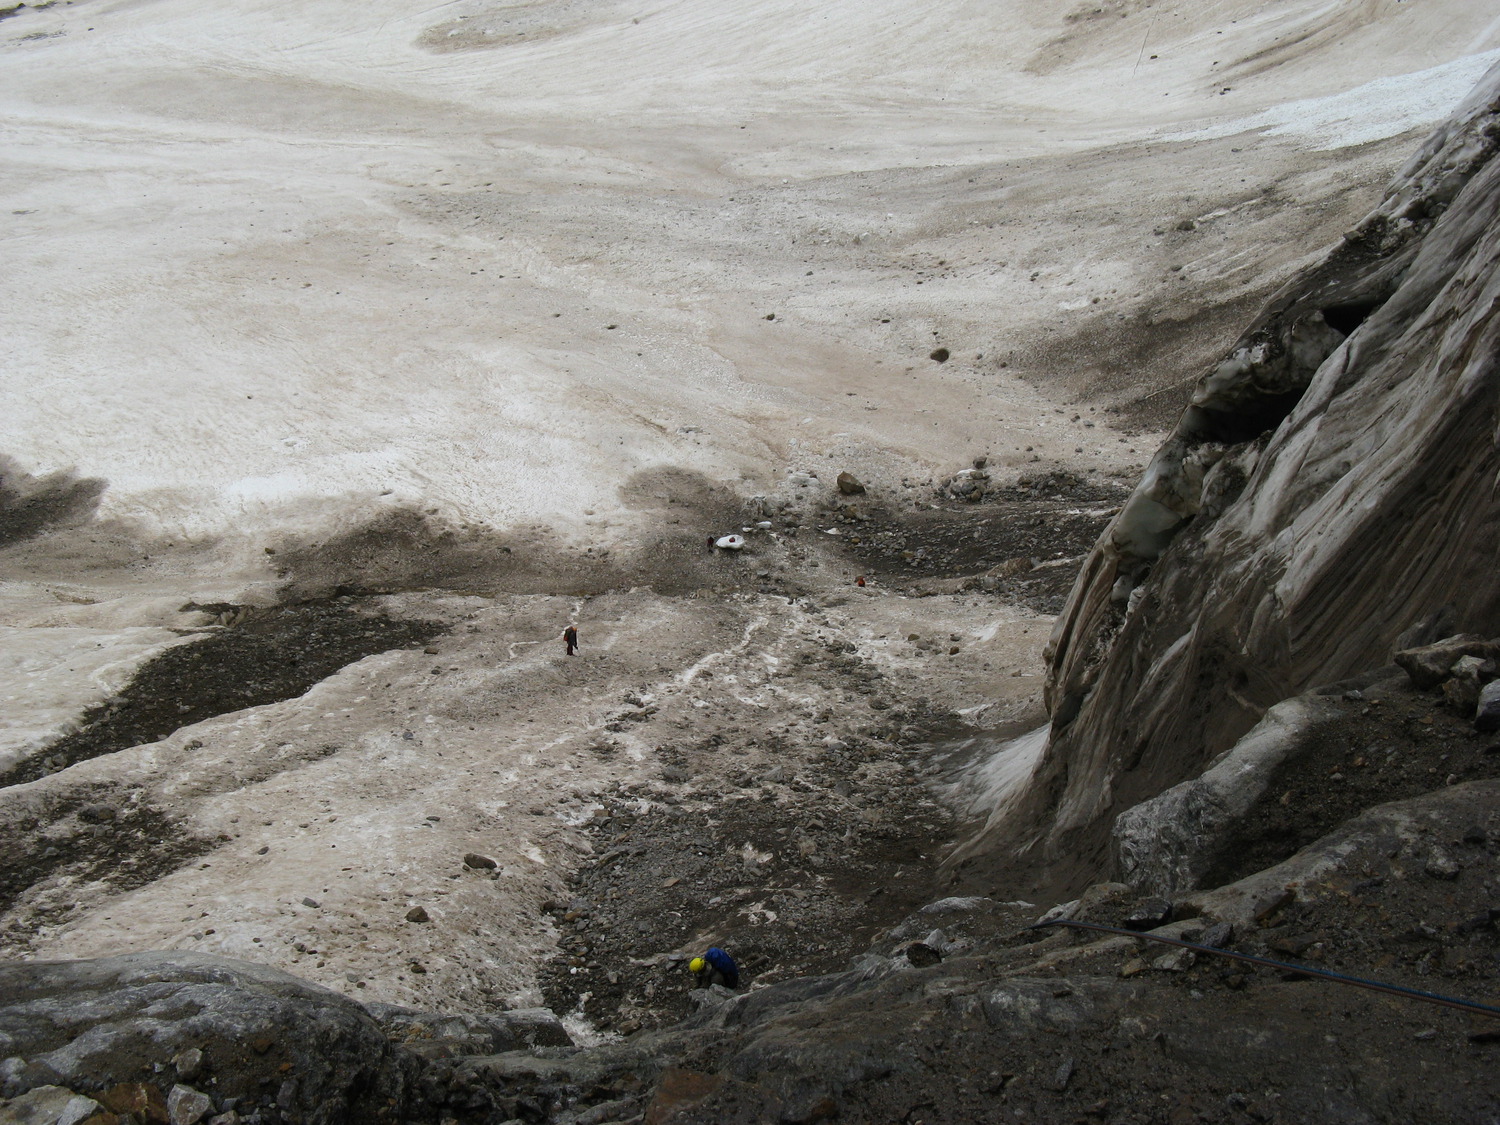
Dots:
pixel 485 315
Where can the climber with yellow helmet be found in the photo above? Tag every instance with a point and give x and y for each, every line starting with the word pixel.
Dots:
pixel 715 967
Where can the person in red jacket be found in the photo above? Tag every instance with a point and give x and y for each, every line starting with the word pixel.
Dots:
pixel 570 638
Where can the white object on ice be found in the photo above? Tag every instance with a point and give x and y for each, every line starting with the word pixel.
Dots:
pixel 730 542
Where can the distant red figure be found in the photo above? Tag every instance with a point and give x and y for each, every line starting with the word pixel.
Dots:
pixel 860 581
pixel 570 638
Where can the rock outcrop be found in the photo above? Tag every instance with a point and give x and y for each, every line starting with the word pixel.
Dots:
pixel 447 1034
pixel 245 1038
pixel 1328 497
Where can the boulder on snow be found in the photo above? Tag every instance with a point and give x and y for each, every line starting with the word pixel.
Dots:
pixel 967 484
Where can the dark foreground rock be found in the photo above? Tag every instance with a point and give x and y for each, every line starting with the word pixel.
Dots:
pixel 1010 1023
pixel 254 1041
pixel 1313 763
pixel 444 1035
pixel 1056 1025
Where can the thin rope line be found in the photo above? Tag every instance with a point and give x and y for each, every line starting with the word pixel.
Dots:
pixel 1150 26
pixel 1306 970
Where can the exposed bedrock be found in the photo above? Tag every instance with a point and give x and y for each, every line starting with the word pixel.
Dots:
pixel 240 1036
pixel 1328 497
pixel 1313 764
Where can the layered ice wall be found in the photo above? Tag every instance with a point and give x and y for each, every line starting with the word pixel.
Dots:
pixel 1329 496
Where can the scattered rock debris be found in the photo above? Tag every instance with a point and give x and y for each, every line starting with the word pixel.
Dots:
pixel 793 870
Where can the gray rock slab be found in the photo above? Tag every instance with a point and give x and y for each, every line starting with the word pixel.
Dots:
pixel 1165 845
pixel 1400 832
pixel 444 1035
pixel 91 1025
pixel 47 1105
pixel 1277 541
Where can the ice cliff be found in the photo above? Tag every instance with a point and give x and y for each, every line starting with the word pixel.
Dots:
pixel 1329 495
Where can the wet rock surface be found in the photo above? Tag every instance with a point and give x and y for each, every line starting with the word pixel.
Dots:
pixel 1313 511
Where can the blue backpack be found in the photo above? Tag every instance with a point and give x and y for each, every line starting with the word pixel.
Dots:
pixel 720 960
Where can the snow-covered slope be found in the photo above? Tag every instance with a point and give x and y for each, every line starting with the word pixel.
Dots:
pixel 279 266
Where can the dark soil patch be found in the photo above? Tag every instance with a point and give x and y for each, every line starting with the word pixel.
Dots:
pixel 31 505
pixel 792 869
pixel 407 549
pixel 1398 743
pixel 93 835
pixel 1022 543
pixel 1176 348
pixel 1408 929
pixel 273 654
